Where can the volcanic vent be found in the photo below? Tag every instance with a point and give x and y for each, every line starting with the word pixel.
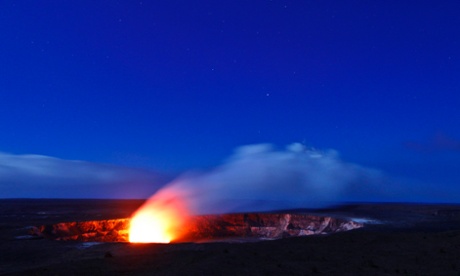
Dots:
pixel 249 226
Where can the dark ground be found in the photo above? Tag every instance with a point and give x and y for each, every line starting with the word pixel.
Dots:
pixel 403 239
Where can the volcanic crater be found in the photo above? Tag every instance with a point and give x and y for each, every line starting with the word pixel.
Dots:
pixel 226 227
pixel 414 239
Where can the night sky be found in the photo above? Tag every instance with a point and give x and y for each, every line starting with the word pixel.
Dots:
pixel 165 87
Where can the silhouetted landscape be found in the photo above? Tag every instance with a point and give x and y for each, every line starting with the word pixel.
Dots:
pixel 398 238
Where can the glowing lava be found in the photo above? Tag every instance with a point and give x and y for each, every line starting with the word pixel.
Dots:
pixel 160 220
pixel 147 227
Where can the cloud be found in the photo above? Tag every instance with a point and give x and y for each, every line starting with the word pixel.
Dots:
pixel 261 178
pixel 50 177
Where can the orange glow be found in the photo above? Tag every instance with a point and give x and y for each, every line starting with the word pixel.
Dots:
pixel 159 220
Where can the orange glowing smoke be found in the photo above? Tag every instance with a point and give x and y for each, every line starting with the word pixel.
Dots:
pixel 160 220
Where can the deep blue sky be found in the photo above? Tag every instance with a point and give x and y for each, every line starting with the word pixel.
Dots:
pixel 176 85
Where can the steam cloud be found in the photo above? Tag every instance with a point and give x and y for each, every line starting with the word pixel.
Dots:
pixel 31 176
pixel 260 178
pixel 254 178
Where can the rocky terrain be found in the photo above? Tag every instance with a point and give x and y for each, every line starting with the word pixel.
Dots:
pixel 396 239
pixel 112 230
pixel 199 228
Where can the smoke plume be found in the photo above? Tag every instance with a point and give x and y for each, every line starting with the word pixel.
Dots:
pixel 261 178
